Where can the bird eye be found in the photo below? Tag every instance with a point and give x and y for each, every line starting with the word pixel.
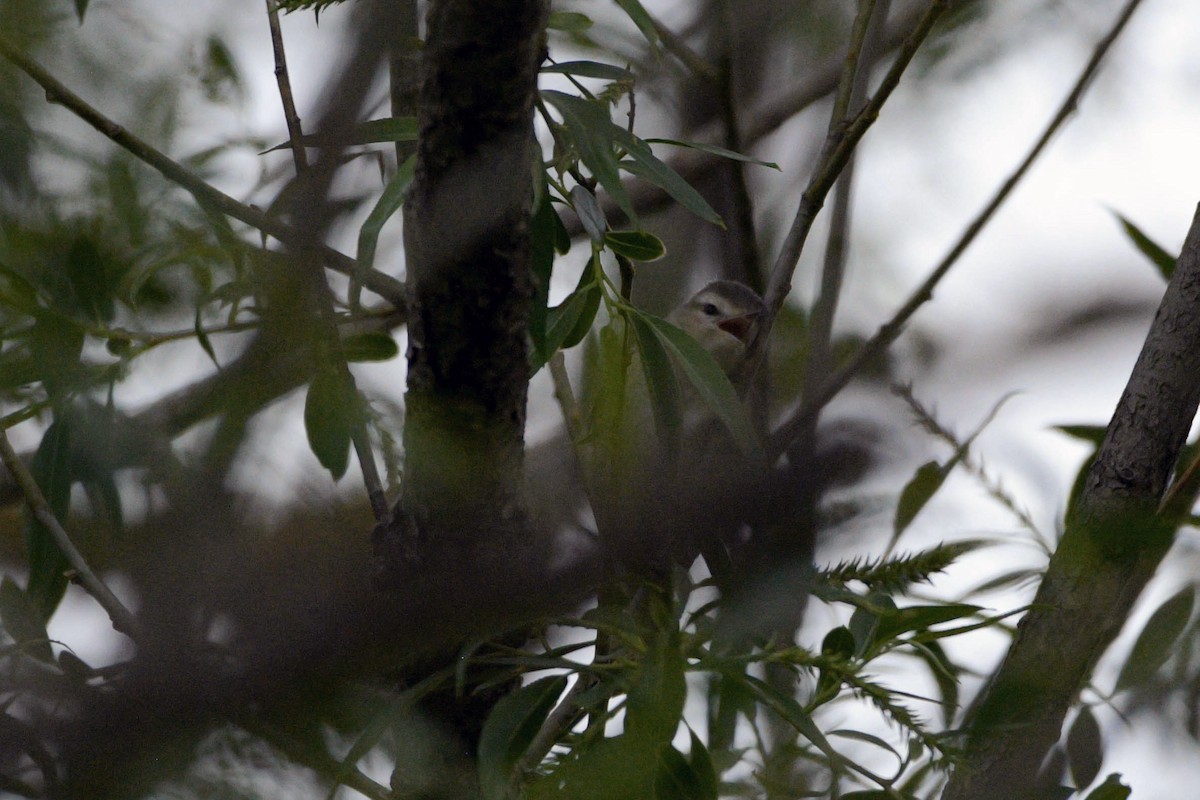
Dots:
pixel 710 309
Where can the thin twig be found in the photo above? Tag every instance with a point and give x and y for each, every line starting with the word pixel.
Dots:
pixel 558 722
pixel 677 47
pixel 890 330
pixel 385 286
pixel 122 619
pixel 834 157
pixel 360 436
pixel 313 758
pixel 869 25
pixel 295 132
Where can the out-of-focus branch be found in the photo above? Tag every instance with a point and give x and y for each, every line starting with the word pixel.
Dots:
pixel 295 132
pixel 385 286
pixel 835 156
pixel 891 330
pixel 758 123
pixel 122 619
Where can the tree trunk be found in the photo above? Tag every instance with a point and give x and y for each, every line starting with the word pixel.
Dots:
pixel 1113 543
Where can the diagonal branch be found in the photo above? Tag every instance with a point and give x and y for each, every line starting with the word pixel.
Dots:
pixel 891 330
pixel 122 619
pixel 385 286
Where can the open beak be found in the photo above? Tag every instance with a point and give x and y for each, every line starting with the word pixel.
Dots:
pixel 739 326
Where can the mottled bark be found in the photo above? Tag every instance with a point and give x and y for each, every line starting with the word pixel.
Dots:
pixel 467 247
pixel 1113 543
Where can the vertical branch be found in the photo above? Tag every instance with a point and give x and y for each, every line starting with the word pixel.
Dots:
pixel 402 70
pixel 122 619
pixel 891 330
pixel 329 348
pixel 467 247
pixel 832 161
pixel 295 133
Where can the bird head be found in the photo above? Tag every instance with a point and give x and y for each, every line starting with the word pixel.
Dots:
pixel 722 318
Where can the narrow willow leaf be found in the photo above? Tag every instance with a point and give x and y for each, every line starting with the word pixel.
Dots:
pixel 1085 748
pixel 654 705
pixel 369 347
pixel 330 410
pixel 509 730
pixel 1157 639
pixel 568 21
pixel 716 151
pixel 23 621
pixel 591 130
pixel 703 768
pixel 635 245
pixel 919 490
pixel 641 18
pixel 1092 434
pixel 51 468
pixel 647 167
pixel 202 338
pixel 1159 257
pixel 675 778
pixel 81 9
pixel 590 214
pixel 389 203
pixel 915 618
pixel 590 69
pixel 568 322
pixel 791 712
pixel 710 381
pixel 662 383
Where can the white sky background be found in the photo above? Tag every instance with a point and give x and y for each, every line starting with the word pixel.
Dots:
pixel 937 153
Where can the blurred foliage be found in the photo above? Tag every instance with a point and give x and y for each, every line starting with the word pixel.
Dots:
pixel 96 275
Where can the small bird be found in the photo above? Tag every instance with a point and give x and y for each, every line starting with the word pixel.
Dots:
pixel 722 318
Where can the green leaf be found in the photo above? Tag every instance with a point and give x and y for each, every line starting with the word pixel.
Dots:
pixel 661 383
pixel 945 673
pixel 591 130
pixel 635 245
pixel 509 730
pixel 330 411
pixel 590 213
pixel 389 203
pixel 675 779
pixel 915 618
pixel 1159 257
pixel 710 381
pixel 1085 748
pixel 1157 639
pixel 202 337
pixel 81 9
pixel 1092 434
pixel 369 347
pixel 51 469
pixel 924 483
pixel 791 712
pixel 646 166
pixel 88 272
pixel 640 18
pixel 1111 789
pixel 590 69
pixel 23 621
pixel 654 705
pixel 568 21
pixel 568 322
pixel 716 151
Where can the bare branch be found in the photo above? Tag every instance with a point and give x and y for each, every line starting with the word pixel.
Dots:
pixel 122 619
pixel 891 330
pixel 385 286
